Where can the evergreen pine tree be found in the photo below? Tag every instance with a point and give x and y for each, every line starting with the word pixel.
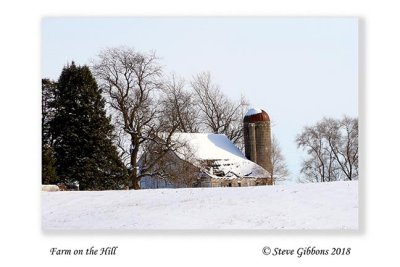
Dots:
pixel 49 89
pixel 49 175
pixel 83 134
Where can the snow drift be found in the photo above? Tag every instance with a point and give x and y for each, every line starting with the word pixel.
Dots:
pixel 301 206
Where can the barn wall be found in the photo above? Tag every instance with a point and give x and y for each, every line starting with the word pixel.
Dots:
pixel 235 182
pixel 149 182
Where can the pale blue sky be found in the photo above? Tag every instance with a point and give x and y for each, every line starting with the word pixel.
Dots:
pixel 297 69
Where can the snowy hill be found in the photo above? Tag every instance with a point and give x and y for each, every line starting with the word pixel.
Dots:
pixel 302 206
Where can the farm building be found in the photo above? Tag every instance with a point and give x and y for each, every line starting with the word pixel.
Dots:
pixel 215 161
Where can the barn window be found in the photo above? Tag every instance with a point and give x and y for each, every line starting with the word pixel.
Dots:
pixel 230 184
pixel 239 184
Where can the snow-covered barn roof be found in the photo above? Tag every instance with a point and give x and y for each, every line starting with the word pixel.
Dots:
pixel 221 155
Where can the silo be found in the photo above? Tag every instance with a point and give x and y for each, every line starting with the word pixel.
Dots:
pixel 257 138
pixel 250 141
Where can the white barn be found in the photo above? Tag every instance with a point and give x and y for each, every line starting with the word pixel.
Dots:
pixel 217 161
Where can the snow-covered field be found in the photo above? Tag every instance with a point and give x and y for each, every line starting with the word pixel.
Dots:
pixel 300 206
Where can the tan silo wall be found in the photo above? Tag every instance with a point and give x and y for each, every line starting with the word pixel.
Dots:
pixel 263 145
pixel 257 142
pixel 250 141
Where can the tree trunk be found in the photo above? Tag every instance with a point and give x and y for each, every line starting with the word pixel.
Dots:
pixel 135 181
pixel 134 175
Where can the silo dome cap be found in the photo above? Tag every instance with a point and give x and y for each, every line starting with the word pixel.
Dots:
pixel 255 115
pixel 253 111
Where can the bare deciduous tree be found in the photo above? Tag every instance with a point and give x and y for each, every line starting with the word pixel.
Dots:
pixel 147 109
pixel 177 167
pixel 342 137
pixel 131 81
pixel 279 168
pixel 244 107
pixel 178 106
pixel 332 146
pixel 219 114
pixel 319 167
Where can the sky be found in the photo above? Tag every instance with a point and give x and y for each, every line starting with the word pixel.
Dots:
pixel 298 70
